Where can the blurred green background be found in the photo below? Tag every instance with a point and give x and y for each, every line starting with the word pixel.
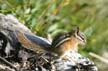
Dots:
pixel 45 17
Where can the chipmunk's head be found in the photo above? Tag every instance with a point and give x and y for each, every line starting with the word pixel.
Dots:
pixel 78 35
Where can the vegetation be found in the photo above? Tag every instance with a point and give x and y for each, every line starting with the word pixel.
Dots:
pixel 45 17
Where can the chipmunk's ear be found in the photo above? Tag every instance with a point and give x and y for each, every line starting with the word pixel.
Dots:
pixel 76 30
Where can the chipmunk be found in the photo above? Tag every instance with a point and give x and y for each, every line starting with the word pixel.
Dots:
pixel 64 43
pixel 60 45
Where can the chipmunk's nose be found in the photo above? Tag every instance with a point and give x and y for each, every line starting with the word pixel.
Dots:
pixel 84 42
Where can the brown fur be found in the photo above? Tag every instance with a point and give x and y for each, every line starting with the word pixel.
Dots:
pixel 28 44
pixel 66 47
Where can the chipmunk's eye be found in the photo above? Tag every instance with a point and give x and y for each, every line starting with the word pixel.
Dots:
pixel 80 36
